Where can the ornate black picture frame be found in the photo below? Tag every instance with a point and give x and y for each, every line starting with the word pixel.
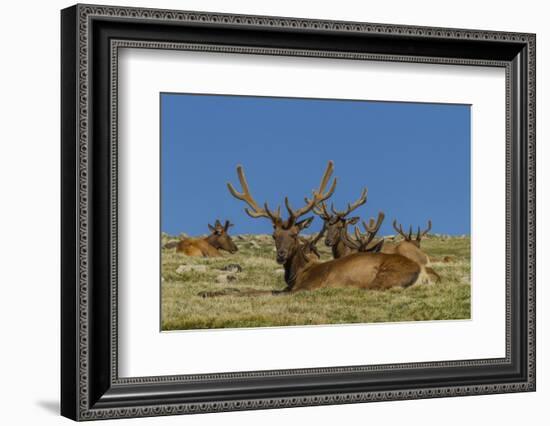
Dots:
pixel 91 387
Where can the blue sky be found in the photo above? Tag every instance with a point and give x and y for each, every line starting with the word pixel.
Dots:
pixel 413 157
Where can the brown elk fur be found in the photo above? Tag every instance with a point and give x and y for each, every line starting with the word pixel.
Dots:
pixel 210 246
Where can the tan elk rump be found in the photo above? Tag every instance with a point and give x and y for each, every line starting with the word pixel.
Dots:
pixel 211 245
pixel 302 270
pixel 409 247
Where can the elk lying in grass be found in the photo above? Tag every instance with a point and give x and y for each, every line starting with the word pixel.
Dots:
pixel 302 270
pixel 210 246
pixel 410 247
pixel 336 224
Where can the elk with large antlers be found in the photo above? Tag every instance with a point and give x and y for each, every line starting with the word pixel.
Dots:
pixel 336 223
pixel 303 271
pixel 210 246
pixel 410 247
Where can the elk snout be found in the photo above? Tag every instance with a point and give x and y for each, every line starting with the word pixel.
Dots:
pixel 282 255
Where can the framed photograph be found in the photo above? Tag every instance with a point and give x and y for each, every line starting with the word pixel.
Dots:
pixel 263 212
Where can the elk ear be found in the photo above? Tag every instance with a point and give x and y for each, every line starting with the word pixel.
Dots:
pixel 353 220
pixel 303 224
pixel 212 229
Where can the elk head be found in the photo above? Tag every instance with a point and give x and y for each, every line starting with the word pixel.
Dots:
pixel 219 237
pixel 285 231
pixel 409 236
pixel 336 221
pixel 362 240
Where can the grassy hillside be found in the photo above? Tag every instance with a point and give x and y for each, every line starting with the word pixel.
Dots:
pixel 183 278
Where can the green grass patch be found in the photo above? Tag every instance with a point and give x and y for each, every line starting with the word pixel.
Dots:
pixel 183 308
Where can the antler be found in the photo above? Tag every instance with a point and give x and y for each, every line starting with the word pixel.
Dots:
pixel 420 234
pixel 255 210
pixel 361 241
pixel 245 196
pixel 321 210
pixel 319 235
pixel 319 196
pixel 362 200
pixel 401 232
pixel 311 242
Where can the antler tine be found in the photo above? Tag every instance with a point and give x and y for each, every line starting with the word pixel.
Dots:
pixel 319 235
pixel 374 227
pixel 410 232
pixel 319 195
pixel 245 196
pixel 359 236
pixel 399 230
pixel 362 240
pixel 289 208
pixel 429 227
pixel 320 209
pixel 348 241
pixel 420 233
pixel 351 207
pixel 274 216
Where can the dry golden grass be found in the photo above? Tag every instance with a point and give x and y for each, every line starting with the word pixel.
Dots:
pixel 183 308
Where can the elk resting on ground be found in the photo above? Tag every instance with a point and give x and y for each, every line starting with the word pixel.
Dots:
pixel 210 246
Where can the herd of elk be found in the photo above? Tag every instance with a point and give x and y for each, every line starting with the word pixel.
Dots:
pixel 303 271
pixel 210 246
pixel 357 260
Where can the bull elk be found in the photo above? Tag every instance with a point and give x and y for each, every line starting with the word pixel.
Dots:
pixel 210 246
pixel 302 270
pixel 409 247
pixel 337 222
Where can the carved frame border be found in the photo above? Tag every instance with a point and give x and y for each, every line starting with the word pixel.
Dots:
pixel 85 13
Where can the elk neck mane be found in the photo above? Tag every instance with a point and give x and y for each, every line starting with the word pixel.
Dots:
pixel 340 249
pixel 213 241
pixel 298 262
